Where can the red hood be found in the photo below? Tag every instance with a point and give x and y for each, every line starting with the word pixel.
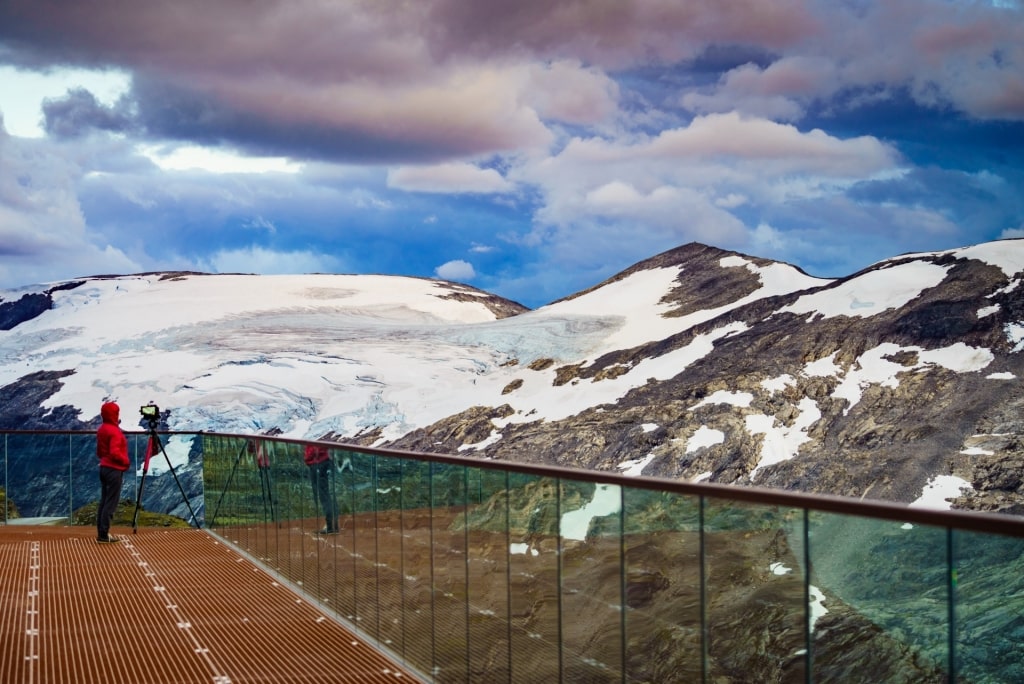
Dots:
pixel 110 412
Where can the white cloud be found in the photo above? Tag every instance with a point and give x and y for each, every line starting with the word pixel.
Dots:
pixel 457 270
pixel 214 160
pixel 1017 232
pixel 453 177
pixel 269 262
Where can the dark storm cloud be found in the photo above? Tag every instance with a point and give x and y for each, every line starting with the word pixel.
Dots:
pixel 79 112
pixel 364 81
pixel 167 110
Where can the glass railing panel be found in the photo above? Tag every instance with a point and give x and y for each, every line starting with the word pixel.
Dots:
pixel 390 552
pixel 260 455
pixel 879 594
pixel 417 568
pixel 488 581
pixel 39 475
pixel 754 593
pixel 590 528
pixel 450 572
pixel 84 479
pixel 988 601
pixel 269 516
pixel 662 586
pixel 307 521
pixel 364 544
pixel 321 542
pixel 533 578
pixel 7 508
pixel 345 561
pixel 229 473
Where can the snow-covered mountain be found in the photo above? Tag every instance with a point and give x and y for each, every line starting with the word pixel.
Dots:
pixel 901 382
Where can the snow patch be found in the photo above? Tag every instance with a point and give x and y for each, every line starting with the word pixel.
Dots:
pixel 939 490
pixel 823 368
pixel 740 399
pixel 522 550
pixel 818 609
pixel 782 443
pixel 873 292
pixel 704 437
pixel 1015 335
pixel 607 500
pixel 635 467
pixel 872 367
pixel 773 385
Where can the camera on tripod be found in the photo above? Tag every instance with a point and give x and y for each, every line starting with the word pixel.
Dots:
pixel 151 412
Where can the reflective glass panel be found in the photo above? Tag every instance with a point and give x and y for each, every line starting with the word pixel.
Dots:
pixel 662 587
pixel 754 597
pixel 988 607
pixel 879 599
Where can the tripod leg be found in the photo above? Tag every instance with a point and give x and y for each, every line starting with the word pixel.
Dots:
pixel 142 485
pixel 138 502
pixel 176 480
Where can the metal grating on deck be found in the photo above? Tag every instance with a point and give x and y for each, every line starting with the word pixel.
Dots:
pixel 162 606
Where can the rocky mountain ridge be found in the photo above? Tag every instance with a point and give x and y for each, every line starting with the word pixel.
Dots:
pixel 697 364
pixel 784 369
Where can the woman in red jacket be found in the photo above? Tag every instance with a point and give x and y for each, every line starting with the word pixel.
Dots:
pixel 112 452
pixel 321 476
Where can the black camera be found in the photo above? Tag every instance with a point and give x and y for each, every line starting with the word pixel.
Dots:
pixel 150 412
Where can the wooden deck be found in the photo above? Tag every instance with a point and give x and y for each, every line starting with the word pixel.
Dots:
pixel 162 606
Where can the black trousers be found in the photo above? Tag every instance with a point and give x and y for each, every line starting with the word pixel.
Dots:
pixel 322 479
pixel 110 495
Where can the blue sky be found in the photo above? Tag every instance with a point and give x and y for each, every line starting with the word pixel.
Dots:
pixel 531 149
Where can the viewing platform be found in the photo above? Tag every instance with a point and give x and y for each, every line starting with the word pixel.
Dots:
pixel 163 606
pixel 452 570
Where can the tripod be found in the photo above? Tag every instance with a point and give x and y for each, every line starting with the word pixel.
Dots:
pixel 255 448
pixel 152 446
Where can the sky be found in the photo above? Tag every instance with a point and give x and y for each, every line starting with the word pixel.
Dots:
pixel 530 149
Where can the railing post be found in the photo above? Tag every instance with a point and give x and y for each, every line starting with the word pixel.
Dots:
pixel 623 642
pixel 808 636
pixel 508 568
pixel 433 585
pixel 951 580
pixel 704 632
pixel 558 576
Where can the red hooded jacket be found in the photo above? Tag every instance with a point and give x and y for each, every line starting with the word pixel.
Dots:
pixel 315 454
pixel 111 445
